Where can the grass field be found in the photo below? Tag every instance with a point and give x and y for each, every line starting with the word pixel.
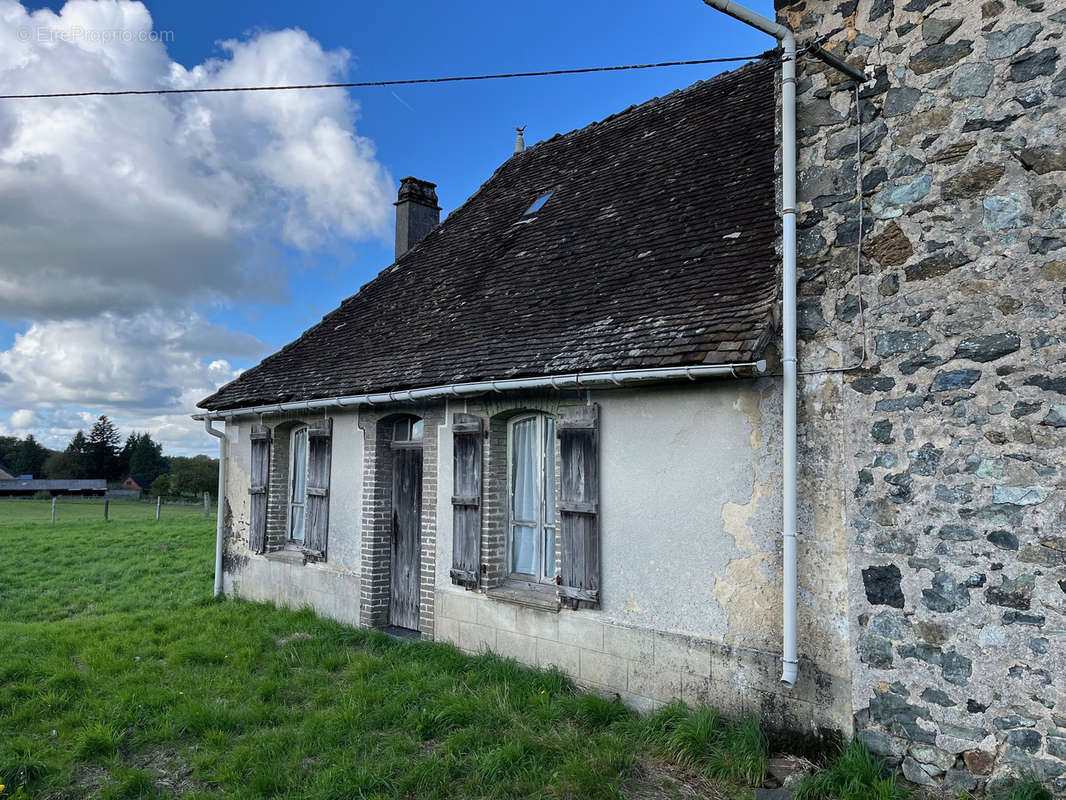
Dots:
pixel 120 677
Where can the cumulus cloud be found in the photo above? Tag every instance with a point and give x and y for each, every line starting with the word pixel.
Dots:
pixel 24 419
pixel 118 204
pixel 152 361
pixel 147 371
pixel 119 217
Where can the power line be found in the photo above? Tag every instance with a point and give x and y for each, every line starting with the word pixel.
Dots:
pixel 362 84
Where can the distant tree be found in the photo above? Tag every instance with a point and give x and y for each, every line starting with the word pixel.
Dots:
pixel 23 456
pixel 72 462
pixel 64 465
pixel 78 443
pixel 193 476
pixel 8 450
pixel 141 456
pixel 102 450
pixel 161 486
pixel 29 457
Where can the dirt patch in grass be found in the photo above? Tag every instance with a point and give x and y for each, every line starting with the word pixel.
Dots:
pixel 654 779
pixel 172 772
pixel 299 636
pixel 89 780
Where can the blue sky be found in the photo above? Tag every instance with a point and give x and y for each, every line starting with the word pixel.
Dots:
pixel 270 286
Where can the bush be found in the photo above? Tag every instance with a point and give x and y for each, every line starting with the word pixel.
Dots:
pixel 161 486
pixel 43 495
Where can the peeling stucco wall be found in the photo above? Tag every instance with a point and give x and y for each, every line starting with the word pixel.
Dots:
pixel 330 587
pixel 690 522
pixel 949 442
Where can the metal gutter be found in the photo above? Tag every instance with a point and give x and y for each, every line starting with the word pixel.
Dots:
pixel 578 380
pixel 789 656
pixel 223 452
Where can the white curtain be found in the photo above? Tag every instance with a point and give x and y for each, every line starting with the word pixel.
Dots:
pixel 549 497
pixel 524 496
pixel 299 483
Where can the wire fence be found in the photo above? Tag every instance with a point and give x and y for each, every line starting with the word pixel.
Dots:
pixel 61 509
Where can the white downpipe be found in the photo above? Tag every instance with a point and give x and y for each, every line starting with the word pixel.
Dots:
pixel 581 380
pixel 223 452
pixel 789 655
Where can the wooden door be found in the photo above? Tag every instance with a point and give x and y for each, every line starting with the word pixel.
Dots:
pixel 406 536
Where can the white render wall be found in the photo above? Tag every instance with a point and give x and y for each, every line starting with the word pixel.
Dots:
pixel 690 577
pixel 330 588
pixel 690 567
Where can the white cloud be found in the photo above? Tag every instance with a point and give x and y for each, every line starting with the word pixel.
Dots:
pixel 24 419
pixel 119 216
pixel 120 204
pixel 147 371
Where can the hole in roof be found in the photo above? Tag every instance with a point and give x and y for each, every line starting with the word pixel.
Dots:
pixel 538 204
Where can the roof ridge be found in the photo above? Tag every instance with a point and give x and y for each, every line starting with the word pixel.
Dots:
pixel 599 280
pixel 761 60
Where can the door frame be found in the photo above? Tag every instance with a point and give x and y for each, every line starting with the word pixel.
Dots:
pixel 411 445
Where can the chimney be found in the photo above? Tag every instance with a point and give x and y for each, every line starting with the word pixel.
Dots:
pixel 519 141
pixel 417 213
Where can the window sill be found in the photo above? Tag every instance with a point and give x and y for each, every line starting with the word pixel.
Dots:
pixel 541 597
pixel 295 556
pixel 286 557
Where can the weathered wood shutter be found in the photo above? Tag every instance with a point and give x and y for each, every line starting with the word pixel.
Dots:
pixel 579 502
pixel 319 449
pixel 466 500
pixel 260 438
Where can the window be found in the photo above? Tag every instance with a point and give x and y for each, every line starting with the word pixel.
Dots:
pixel 408 429
pixel 532 517
pixel 538 204
pixel 298 498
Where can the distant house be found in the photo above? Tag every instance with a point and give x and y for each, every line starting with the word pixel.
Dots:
pixel 5 473
pixel 20 487
pixel 137 482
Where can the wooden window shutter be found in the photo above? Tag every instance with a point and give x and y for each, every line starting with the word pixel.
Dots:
pixel 579 499
pixel 319 449
pixel 466 500
pixel 260 439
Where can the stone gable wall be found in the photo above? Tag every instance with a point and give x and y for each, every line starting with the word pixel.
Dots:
pixel 954 426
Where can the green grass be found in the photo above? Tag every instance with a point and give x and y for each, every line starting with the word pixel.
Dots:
pixel 120 677
pixel 855 774
pixel 1024 788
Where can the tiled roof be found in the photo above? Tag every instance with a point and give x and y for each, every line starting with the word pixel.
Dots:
pixel 656 248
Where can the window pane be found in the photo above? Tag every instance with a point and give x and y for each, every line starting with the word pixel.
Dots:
pixel 549 553
pixel 416 430
pixel 299 466
pixel 297 523
pixel 299 483
pixel 524 471
pixel 401 430
pixel 523 543
pixel 549 475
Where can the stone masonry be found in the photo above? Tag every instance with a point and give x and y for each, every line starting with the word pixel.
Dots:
pixel 953 426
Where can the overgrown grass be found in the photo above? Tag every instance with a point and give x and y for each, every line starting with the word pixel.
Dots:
pixel 722 748
pixel 1025 788
pixel 855 774
pixel 120 677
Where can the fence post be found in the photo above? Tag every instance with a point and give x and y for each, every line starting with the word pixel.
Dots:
pixel 158 504
pixel 106 504
pixel 207 504
pixel 53 511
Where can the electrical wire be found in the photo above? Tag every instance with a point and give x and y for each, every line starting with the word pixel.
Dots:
pixel 364 84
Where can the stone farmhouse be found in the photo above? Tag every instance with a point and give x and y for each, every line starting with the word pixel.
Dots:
pixel 590 420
